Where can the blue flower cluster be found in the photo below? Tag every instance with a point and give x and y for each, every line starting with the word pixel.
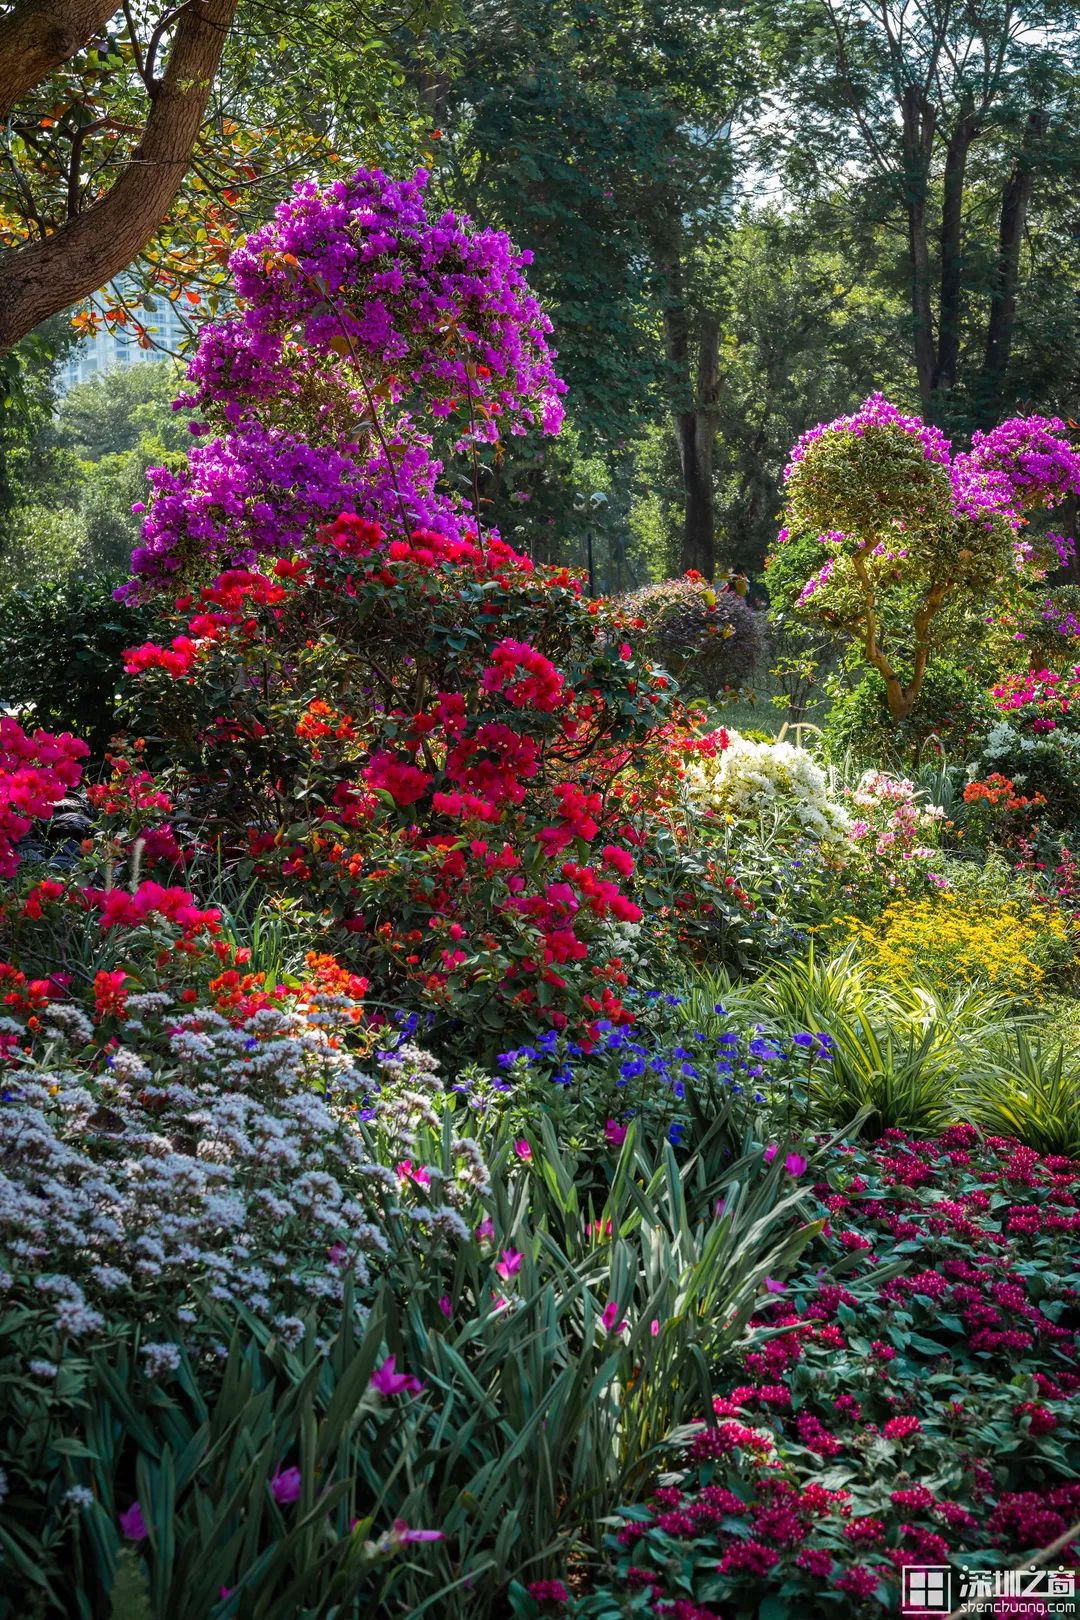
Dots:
pixel 657 1058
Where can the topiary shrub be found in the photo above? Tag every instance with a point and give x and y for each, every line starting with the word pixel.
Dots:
pixel 952 710
pixel 906 550
pixel 709 639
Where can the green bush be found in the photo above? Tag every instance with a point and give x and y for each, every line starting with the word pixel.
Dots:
pixel 903 1056
pixel 709 639
pixel 46 543
pixel 60 647
pixel 952 709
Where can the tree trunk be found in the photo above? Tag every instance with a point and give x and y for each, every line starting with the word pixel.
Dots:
pixel 1015 200
pixel 918 120
pixel 694 415
pixel 38 35
pixel 948 355
pixel 40 279
pixel 696 430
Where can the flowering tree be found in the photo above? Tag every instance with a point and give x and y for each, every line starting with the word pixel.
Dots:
pixel 393 712
pixel 897 544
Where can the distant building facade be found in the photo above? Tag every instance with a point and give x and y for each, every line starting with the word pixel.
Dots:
pixel 113 350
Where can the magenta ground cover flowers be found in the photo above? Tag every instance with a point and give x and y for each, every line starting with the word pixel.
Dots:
pixel 930 1415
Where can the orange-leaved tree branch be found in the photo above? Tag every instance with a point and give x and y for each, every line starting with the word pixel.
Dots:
pixel 42 277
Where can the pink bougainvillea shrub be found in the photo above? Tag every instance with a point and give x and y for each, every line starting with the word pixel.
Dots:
pixel 905 548
pixel 36 771
pixel 364 325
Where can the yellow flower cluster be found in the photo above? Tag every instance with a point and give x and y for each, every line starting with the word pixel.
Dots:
pixel 948 941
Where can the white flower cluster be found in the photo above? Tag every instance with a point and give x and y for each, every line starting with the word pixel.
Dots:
pixel 252 1163
pixel 774 784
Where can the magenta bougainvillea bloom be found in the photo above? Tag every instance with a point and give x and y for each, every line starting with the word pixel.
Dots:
pixel 36 771
pixel 898 543
pixel 392 315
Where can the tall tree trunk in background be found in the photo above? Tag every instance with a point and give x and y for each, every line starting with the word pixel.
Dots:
pixel 696 430
pixel 918 119
pixel 1067 521
pixel 1015 200
pixel 956 154
pixel 694 416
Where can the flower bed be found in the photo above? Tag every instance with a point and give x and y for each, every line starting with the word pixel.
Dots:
pixel 934 1416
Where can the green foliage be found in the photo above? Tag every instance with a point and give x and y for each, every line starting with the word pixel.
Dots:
pixel 60 647
pixel 113 428
pixel 709 639
pixel 108 416
pixel 890 139
pixel 130 1595
pixel 903 1056
pixel 539 1410
pixel 741 897
pixel 598 172
pixel 953 712
pixel 806 332
pixel 45 543
pixel 1029 1088
pixel 30 472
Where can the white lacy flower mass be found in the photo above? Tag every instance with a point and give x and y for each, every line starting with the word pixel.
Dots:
pixel 254 1163
pixel 770 782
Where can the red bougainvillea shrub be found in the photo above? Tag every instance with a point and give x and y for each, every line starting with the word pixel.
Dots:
pixel 433 744
pixel 932 1418
pixel 36 771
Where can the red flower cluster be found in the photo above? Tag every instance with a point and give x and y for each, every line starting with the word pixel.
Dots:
pixel 150 900
pixel 1043 699
pixel 428 725
pixel 35 773
pixel 525 677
